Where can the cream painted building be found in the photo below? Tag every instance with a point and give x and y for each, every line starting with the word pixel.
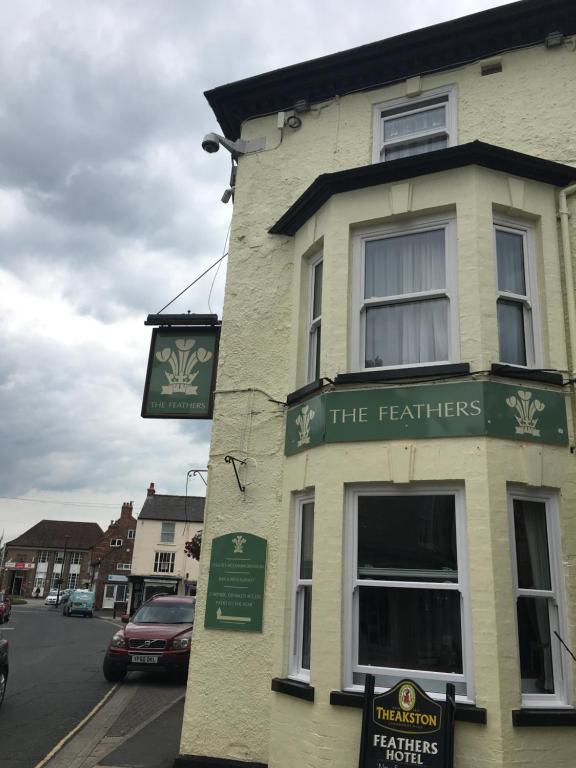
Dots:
pixel 397 370
pixel 160 563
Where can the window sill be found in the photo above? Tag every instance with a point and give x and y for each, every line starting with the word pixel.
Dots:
pixel 303 392
pixel 526 374
pixel 414 372
pixel 543 717
pixel 467 713
pixel 293 688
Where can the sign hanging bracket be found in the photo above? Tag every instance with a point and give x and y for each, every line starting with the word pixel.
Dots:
pixel 234 460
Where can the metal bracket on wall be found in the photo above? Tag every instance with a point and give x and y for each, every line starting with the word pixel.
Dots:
pixel 200 472
pixel 233 460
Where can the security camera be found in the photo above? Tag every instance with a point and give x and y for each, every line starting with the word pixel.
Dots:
pixel 211 142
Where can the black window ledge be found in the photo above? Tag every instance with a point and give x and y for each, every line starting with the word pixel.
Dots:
pixel 305 391
pixel 417 372
pixel 527 374
pixel 466 713
pixel 293 688
pixel 543 717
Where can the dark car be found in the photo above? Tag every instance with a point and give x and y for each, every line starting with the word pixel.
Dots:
pixel 5 607
pixel 156 638
pixel 3 667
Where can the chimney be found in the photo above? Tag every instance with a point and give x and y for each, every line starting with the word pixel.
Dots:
pixel 151 490
pixel 126 509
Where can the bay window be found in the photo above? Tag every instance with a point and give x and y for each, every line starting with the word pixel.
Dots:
pixel 406 295
pixel 302 603
pixel 314 318
pixel 539 598
pixel 409 613
pixel 516 295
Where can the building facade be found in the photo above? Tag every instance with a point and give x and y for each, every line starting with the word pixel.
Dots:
pixel 111 560
pixel 50 554
pixel 160 563
pixel 405 241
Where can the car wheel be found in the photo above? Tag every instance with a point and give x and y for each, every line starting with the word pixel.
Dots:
pixel 114 673
pixel 3 681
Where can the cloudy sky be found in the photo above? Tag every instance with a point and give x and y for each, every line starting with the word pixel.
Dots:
pixel 109 208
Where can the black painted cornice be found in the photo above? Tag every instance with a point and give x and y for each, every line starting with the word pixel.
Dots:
pixel 432 49
pixel 473 153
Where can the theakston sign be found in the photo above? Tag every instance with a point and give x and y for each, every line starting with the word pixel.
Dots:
pixel 406 727
pixel 464 409
pixel 181 373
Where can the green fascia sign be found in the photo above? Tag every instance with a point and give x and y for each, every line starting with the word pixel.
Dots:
pixel 463 409
pixel 181 375
pixel 235 599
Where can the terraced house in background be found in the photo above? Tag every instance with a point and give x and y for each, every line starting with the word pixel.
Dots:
pixel 397 368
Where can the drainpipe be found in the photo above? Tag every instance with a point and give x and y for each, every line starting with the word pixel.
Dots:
pixel 568 272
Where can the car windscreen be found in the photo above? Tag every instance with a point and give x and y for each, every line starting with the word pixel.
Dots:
pixel 165 614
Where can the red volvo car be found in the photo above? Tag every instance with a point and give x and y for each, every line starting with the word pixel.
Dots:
pixel 156 637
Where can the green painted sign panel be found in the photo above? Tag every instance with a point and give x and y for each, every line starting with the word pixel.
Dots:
pixel 236 578
pixel 181 374
pixel 463 409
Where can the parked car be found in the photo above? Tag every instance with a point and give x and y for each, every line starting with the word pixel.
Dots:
pixel 52 597
pixel 3 667
pixel 79 601
pixel 5 607
pixel 156 638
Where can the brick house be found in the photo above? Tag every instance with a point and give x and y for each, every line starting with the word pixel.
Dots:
pixel 50 552
pixel 111 559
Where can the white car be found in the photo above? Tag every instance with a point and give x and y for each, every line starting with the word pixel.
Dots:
pixel 52 597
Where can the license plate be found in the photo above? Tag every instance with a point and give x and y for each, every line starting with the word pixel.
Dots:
pixel 144 659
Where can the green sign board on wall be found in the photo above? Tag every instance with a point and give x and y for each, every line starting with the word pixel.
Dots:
pixel 181 374
pixel 463 409
pixel 236 578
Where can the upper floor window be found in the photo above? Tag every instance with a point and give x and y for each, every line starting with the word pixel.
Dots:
pixel 405 312
pixel 115 542
pixel 59 558
pixel 539 597
pixel 302 607
pixel 75 558
pixel 167 533
pixel 314 318
pixel 413 126
pixel 164 562
pixel 516 295
pixel 407 569
pixel 131 533
pixel 43 556
pixel 123 566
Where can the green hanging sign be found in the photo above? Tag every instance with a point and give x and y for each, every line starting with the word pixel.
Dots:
pixel 181 375
pixel 463 409
pixel 235 599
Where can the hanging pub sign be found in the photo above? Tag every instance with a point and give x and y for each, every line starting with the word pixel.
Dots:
pixel 404 726
pixel 182 365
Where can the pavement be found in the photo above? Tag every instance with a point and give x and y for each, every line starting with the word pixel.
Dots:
pixel 137 724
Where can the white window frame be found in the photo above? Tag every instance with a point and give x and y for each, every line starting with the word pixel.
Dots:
pixel 75 558
pixel 360 304
pixel 419 103
pixel 72 581
pixel 314 324
pixel 296 670
pixel 43 556
pixel 167 535
pixel 164 562
pixel 123 566
pixel 131 533
pixel 556 595
pixel 351 615
pixel 529 301
pixel 116 542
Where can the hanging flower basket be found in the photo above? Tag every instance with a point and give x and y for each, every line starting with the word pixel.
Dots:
pixel 193 547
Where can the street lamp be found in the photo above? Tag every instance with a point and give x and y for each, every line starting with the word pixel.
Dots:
pixel 66 537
